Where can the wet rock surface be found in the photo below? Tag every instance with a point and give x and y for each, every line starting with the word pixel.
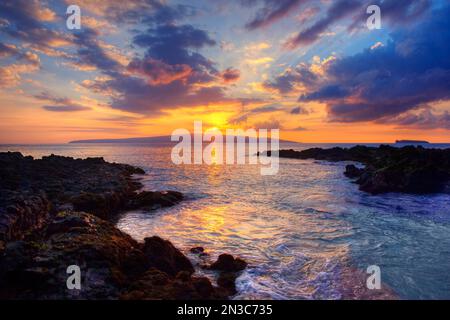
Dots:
pixel 113 264
pixel 163 256
pixel 197 250
pixel 154 199
pixel 155 284
pixel 352 172
pixel 35 268
pixel 226 262
pixel 21 213
pixel 229 269
pixel 43 231
pixel 414 170
pixel 32 188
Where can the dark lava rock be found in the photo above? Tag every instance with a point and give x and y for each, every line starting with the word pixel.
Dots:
pixel 36 269
pixel 112 264
pixel 229 268
pixel 31 189
pixel 39 239
pixel 153 199
pixel 21 213
pixel 227 281
pixel 352 172
pixel 414 170
pixel 226 262
pixel 162 255
pixel 155 284
pixel 197 250
pixel 91 185
pixel 103 205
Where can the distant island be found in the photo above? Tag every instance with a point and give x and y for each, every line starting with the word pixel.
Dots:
pixel 412 142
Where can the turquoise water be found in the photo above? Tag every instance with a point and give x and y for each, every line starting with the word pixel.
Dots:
pixel 301 230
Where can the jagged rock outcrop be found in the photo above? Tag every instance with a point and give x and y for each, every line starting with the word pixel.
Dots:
pixel 229 269
pixel 113 265
pixel 32 188
pixel 43 231
pixel 226 262
pixel 410 169
pixel 162 255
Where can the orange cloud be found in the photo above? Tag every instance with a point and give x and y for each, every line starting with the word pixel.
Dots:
pixel 10 76
pixel 158 72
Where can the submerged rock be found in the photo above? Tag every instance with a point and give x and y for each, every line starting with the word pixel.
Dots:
pixel 226 262
pixel 229 269
pixel 197 250
pixel 152 199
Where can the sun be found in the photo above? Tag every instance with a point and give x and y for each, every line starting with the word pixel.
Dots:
pixel 217 120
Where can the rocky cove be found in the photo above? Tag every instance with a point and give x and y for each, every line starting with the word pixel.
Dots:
pixel 307 232
pixel 59 211
pixel 410 169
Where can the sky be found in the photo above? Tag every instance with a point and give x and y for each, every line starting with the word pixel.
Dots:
pixel 311 68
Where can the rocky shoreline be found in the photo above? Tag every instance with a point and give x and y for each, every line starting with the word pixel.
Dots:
pixel 58 211
pixel 413 170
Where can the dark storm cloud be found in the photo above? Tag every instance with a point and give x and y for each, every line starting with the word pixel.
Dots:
pixel 285 83
pixel 169 73
pixel 90 52
pixel 271 11
pixel 328 92
pixel 172 44
pixel 136 95
pixel 409 72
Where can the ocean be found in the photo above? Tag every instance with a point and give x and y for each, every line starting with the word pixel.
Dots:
pixel 300 230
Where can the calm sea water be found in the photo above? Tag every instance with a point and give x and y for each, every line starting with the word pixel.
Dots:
pixel 298 229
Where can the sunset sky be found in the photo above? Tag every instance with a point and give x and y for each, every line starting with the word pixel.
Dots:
pixel 146 67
